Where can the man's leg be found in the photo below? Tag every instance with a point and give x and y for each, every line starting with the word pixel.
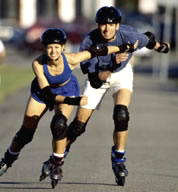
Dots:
pixel 122 97
pixel 77 126
pixel 121 118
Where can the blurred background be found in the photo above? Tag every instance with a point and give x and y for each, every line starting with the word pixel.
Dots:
pixel 22 22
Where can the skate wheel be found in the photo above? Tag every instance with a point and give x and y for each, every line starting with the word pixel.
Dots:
pixel 54 183
pixel 120 181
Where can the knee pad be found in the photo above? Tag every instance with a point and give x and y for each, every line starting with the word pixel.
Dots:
pixel 59 126
pixel 24 136
pixel 76 128
pixel 121 118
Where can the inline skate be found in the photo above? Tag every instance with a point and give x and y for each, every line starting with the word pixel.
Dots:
pixel 47 165
pixel 56 170
pixel 118 167
pixel 46 169
pixel 3 167
pixel 7 161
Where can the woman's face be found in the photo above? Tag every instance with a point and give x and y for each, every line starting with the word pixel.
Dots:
pixel 54 51
pixel 108 31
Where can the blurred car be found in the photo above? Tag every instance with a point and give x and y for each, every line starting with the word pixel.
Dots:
pixel 9 31
pixel 31 37
pixel 142 23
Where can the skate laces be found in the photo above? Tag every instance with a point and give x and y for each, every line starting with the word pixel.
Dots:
pixel 56 172
pixel 119 161
pixel 58 161
pixel 57 164
pixel 117 157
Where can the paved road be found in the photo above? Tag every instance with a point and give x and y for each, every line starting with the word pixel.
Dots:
pixel 152 149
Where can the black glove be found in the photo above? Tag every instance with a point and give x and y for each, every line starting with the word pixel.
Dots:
pixel 98 50
pixel 152 40
pixel 72 100
pixel 164 48
pixel 95 82
pixel 126 47
pixel 48 97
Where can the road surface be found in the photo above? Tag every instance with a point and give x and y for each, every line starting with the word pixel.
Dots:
pixel 152 148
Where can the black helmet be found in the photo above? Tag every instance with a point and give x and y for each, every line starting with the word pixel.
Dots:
pixel 108 15
pixel 53 35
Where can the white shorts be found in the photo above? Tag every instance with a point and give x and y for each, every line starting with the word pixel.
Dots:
pixel 115 82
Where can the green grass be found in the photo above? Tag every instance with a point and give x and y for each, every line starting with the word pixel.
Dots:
pixel 12 78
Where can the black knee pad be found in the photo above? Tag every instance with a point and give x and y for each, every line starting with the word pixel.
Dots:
pixel 24 136
pixel 121 118
pixel 59 126
pixel 76 128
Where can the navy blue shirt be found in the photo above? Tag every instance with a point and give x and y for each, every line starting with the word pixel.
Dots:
pixel 124 35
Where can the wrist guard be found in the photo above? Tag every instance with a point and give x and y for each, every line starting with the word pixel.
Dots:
pixel 95 82
pixel 152 41
pixel 72 100
pixel 98 50
pixel 126 47
pixel 163 48
pixel 48 97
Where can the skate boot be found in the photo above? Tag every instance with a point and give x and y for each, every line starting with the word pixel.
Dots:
pixel 118 167
pixel 56 170
pixel 3 167
pixel 46 169
pixel 7 161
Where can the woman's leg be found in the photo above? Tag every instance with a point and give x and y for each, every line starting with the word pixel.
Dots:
pixel 34 112
pixel 60 144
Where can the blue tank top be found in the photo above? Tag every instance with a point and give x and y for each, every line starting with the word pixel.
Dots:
pixel 61 78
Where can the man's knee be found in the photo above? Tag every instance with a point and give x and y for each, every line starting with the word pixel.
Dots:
pixel 59 126
pixel 121 118
pixel 24 136
pixel 76 128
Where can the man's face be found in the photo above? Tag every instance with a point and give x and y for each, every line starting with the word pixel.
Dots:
pixel 108 31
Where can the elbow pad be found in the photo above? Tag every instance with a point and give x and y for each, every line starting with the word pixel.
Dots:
pixel 152 41
pixel 95 82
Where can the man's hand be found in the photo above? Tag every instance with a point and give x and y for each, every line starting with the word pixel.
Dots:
pixel 120 57
pixel 163 47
